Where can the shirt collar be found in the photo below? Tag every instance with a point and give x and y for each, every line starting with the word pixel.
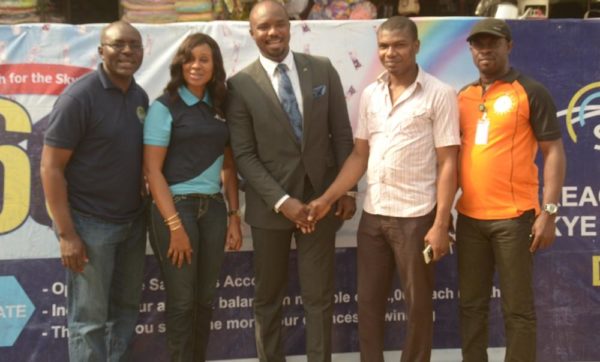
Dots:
pixel 509 77
pixel 383 78
pixel 270 66
pixel 105 80
pixel 190 99
pixel 108 84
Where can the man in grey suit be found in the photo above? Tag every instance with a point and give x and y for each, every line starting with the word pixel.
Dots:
pixel 290 135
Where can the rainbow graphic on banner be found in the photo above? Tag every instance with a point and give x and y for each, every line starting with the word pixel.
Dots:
pixel 444 50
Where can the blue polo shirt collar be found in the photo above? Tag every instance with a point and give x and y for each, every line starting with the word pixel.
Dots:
pixel 107 83
pixel 190 99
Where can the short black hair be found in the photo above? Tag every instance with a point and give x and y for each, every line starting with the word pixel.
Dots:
pixel 401 23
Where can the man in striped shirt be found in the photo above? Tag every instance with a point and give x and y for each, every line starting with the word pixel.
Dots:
pixel 407 142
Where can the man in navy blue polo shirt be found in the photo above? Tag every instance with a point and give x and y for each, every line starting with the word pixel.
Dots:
pixel 91 173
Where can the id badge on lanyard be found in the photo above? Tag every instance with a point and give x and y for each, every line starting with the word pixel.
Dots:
pixel 483 130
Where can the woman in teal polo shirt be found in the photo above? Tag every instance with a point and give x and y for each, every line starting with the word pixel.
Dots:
pixel 187 159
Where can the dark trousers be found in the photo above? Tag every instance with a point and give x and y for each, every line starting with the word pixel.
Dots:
pixel 316 273
pixel 191 288
pixel 388 244
pixel 484 245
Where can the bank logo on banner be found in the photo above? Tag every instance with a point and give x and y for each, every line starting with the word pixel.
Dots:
pixel 15 310
pixel 580 110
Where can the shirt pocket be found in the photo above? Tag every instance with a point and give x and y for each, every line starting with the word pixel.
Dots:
pixel 376 121
pixel 416 122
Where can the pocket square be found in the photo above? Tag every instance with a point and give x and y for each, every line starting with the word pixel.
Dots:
pixel 319 91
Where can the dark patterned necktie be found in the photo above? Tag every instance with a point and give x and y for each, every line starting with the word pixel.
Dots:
pixel 288 101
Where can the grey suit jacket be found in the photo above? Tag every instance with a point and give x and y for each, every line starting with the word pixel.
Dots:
pixel 266 152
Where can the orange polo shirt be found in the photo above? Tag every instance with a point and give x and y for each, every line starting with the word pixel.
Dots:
pixel 499 177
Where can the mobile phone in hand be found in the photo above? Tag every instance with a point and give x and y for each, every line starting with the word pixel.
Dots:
pixel 428 254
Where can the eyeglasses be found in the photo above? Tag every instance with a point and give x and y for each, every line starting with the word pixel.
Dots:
pixel 136 47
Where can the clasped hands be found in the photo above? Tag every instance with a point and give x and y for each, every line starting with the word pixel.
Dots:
pixel 306 216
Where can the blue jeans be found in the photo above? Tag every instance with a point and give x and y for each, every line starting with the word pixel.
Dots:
pixel 190 290
pixel 103 300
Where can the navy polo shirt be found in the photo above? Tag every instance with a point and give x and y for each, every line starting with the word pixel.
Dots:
pixel 195 137
pixel 103 126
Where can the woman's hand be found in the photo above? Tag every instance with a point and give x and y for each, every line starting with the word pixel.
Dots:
pixel 234 233
pixel 180 249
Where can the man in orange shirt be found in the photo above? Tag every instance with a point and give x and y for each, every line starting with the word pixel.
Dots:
pixel 504 118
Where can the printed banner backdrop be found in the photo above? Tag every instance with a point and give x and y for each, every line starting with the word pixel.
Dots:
pixel 38 61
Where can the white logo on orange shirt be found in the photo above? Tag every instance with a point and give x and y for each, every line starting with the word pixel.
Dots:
pixel 503 104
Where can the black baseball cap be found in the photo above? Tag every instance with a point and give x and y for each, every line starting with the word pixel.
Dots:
pixel 491 26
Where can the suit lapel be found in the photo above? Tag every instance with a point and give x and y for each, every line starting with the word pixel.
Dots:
pixel 305 78
pixel 260 76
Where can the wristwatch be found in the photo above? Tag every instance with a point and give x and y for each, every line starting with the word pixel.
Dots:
pixel 551 209
pixel 235 212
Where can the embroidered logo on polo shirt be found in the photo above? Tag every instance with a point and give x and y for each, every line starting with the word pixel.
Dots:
pixel 504 104
pixel 141 113
pixel 217 117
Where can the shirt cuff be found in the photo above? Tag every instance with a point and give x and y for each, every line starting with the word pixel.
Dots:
pixel 280 202
pixel 352 194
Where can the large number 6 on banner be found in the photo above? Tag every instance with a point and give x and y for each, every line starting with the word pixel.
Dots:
pixel 14 207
